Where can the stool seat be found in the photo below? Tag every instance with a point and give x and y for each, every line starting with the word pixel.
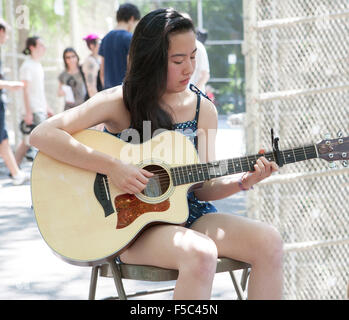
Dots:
pixel 151 273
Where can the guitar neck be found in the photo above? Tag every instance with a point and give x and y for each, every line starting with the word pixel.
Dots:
pixel 205 171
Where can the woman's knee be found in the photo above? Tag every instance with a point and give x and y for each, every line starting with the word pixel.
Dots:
pixel 201 260
pixel 271 245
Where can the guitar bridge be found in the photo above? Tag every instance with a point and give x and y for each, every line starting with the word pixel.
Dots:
pixel 101 190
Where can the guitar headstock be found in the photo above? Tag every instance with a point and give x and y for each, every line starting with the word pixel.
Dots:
pixel 334 149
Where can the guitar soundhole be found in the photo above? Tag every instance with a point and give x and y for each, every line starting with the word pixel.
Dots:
pixel 158 184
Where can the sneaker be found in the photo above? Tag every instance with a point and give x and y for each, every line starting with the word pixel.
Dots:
pixel 20 178
pixel 30 155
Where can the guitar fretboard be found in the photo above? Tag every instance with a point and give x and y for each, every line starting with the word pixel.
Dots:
pixel 205 171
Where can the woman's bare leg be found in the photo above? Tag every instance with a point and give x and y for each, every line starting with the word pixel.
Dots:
pixel 9 158
pixel 251 241
pixel 193 254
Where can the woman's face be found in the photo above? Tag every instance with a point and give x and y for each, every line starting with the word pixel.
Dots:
pixel 181 60
pixel 71 59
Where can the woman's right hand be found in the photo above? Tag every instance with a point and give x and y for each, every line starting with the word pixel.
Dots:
pixel 129 178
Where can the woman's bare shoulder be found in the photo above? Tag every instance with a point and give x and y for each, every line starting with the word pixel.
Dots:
pixel 117 114
pixel 208 114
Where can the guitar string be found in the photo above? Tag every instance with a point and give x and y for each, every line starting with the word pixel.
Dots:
pixel 205 167
pixel 244 160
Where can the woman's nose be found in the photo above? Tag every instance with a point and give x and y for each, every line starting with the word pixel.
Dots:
pixel 190 66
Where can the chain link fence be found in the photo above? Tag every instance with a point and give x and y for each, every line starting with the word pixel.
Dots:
pixel 297 82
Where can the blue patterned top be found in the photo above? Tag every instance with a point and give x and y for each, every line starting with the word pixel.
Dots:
pixel 189 128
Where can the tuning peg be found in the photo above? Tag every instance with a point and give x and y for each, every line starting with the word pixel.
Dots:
pixel 345 163
pixel 340 134
pixel 327 136
pixel 332 165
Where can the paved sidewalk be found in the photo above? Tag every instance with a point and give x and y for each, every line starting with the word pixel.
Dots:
pixel 29 269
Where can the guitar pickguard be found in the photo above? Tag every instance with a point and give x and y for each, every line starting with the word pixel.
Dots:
pixel 129 208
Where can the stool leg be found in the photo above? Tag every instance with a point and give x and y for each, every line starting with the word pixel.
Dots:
pixel 236 286
pixel 244 278
pixel 117 280
pixel 93 283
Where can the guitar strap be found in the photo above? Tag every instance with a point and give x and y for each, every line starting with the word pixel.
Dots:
pixel 199 93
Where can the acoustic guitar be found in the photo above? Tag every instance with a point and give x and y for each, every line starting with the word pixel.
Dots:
pixel 86 220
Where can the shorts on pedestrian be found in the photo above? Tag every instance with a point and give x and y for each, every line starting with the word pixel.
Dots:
pixel 3 131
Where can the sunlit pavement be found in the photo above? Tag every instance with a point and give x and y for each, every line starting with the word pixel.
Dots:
pixel 29 269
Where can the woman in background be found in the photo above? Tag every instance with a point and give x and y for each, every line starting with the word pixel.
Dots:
pixel 72 85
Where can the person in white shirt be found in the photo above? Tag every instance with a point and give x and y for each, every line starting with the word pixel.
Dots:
pixel 201 73
pixel 202 70
pixel 35 105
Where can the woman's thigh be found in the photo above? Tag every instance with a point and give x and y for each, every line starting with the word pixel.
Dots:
pixel 237 237
pixel 167 246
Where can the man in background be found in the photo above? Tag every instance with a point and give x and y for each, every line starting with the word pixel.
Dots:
pixel 115 46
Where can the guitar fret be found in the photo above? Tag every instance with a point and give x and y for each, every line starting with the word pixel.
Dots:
pixel 181 170
pixel 200 175
pixel 287 156
pixel 249 163
pixel 231 169
pixel 305 153
pixel 196 173
pixel 241 167
pixel 174 176
pixel 237 165
pixel 205 171
pixel 207 177
pixel 283 154
pixel 294 156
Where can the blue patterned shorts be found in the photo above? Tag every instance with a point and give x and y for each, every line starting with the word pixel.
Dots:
pixel 197 209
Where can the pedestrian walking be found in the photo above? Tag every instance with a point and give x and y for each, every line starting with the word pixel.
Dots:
pixel 35 105
pixel 18 176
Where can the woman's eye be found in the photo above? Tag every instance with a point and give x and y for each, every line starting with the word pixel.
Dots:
pixel 192 58
pixel 177 62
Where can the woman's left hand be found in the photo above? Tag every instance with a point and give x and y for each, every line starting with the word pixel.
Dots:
pixel 263 169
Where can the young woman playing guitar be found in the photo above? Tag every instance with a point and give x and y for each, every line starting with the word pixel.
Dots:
pixel 155 90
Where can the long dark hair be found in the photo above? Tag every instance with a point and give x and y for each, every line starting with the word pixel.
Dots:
pixel 66 50
pixel 146 77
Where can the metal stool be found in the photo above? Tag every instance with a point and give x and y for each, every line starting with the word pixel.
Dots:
pixel 151 273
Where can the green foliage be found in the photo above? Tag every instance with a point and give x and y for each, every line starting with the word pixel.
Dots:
pixel 224 21
pixel 44 19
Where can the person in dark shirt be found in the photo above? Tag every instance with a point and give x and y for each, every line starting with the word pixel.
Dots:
pixel 115 46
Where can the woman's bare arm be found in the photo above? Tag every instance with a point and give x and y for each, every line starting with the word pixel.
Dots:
pixel 54 138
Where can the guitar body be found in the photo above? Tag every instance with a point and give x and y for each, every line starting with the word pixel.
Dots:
pixel 85 219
